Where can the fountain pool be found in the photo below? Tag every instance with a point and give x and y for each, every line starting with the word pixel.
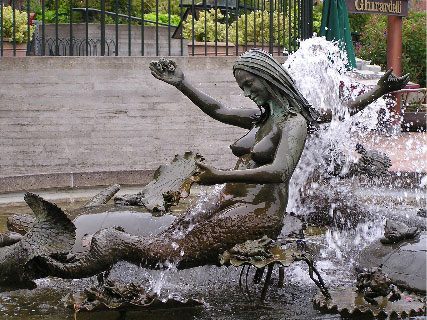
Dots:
pixel 335 249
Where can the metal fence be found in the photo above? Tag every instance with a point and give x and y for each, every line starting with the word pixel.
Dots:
pixel 152 27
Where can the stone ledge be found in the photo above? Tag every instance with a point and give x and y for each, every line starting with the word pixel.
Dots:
pixel 71 180
pixel 74 180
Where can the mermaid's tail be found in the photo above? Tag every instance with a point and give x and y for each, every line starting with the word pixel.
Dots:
pixel 108 246
pixel 52 233
pixel 186 248
pixel 22 223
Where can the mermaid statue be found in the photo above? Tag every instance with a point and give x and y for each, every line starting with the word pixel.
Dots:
pixel 253 196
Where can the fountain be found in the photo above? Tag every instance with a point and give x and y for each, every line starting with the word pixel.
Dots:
pixel 189 241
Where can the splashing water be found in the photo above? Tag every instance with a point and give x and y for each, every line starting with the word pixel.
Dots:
pixel 318 67
pixel 319 71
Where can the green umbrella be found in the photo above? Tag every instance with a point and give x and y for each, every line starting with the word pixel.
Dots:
pixel 335 27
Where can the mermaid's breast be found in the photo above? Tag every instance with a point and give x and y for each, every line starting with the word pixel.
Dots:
pixel 244 144
pixel 264 151
pixel 261 147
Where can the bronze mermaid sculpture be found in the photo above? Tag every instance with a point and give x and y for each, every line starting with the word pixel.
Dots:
pixel 253 199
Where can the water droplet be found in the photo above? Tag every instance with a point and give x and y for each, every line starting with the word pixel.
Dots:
pixel 174 245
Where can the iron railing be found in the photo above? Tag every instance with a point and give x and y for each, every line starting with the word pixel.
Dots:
pixel 152 27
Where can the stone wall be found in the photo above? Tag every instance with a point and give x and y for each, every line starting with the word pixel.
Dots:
pixel 80 121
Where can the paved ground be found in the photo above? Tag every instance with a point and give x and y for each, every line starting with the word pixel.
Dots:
pixel 407 151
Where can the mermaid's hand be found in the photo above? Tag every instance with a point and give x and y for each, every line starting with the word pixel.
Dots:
pixel 167 71
pixel 390 82
pixel 207 175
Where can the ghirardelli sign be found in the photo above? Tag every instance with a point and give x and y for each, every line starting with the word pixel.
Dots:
pixel 388 7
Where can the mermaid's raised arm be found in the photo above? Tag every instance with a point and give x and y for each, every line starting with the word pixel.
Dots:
pixel 167 71
pixel 387 83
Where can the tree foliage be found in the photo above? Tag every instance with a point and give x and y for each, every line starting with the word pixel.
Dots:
pixel 373 46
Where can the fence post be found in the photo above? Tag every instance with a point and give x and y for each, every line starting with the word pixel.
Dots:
pixel 28 27
pixel 142 27
pixel 87 27
pixel 307 19
pixel 14 28
pixel 226 27
pixel 157 27
pixel 116 27
pixel 56 29
pixel 262 23
pixel 270 45
pixel 205 9
pixel 216 27
pixel 102 27
pixel 1 25
pixel 169 27
pixel 71 28
pixel 237 28
pixel 193 12
pixel 181 42
pixel 129 29
pixel 246 25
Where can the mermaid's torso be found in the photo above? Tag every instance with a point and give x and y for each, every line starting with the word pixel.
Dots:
pixel 257 148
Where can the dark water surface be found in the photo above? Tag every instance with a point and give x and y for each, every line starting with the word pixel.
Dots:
pixel 217 287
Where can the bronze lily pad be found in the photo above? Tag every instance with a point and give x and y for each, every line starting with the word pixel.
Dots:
pixel 258 253
pixel 114 295
pixel 348 302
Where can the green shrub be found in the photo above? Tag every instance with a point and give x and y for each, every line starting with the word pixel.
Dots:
pixel 414 46
pixel 63 11
pixel 110 5
pixel 317 16
pixel 35 5
pixel 357 21
pixel 200 34
pixel 150 6
pixel 50 15
pixel 21 26
pixel 50 4
pixel 373 45
pixel 261 27
pixel 163 17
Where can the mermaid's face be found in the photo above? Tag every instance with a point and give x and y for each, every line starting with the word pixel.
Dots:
pixel 252 87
